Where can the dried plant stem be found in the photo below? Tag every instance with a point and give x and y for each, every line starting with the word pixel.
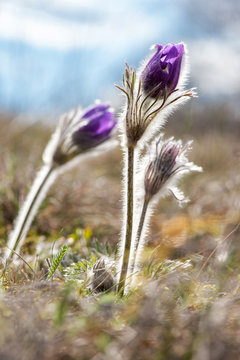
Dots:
pixel 214 250
pixel 129 218
pixel 29 209
pixel 139 231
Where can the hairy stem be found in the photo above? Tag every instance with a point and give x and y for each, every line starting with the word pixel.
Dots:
pixel 129 218
pixel 139 230
pixel 28 210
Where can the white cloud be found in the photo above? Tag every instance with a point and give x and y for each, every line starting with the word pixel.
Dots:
pixel 40 28
pixel 216 66
pixel 63 5
pixel 115 26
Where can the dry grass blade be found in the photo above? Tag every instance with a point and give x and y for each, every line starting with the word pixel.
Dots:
pixel 214 250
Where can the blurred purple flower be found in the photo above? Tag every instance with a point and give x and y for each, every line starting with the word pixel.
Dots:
pixel 95 126
pixel 163 70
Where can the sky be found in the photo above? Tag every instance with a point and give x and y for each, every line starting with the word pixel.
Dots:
pixel 59 54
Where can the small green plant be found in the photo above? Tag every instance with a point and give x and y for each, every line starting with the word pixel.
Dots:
pixel 56 261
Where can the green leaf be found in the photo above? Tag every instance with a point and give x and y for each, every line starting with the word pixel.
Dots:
pixel 98 247
pixel 108 248
pixel 56 261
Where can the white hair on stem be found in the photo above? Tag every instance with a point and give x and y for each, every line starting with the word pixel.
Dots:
pixel 43 181
pixel 125 203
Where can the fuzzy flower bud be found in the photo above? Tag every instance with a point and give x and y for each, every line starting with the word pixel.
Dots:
pixel 153 91
pixel 169 164
pixel 79 132
pixel 95 126
pixel 163 70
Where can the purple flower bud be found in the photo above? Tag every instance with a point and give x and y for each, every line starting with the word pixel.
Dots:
pixel 95 126
pixel 161 168
pixel 170 163
pixel 163 70
pixel 78 132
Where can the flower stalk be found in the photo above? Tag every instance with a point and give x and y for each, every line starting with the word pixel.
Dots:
pixel 139 230
pixel 129 217
pixel 38 190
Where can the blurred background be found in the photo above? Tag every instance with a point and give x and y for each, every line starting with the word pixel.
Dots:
pixel 65 53
pixel 58 54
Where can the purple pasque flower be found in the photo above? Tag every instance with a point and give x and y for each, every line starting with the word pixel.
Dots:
pixel 78 132
pixel 163 70
pixel 94 127
pixel 169 164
